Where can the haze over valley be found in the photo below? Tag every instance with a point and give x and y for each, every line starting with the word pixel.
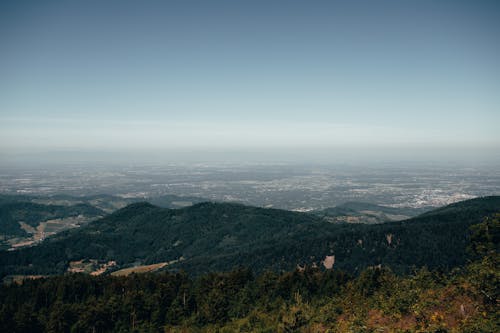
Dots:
pixel 286 186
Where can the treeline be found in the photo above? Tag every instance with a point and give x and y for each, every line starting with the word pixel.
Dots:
pixel 82 303
pixel 299 301
pixel 309 300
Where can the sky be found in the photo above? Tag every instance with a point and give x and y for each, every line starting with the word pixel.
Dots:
pixel 366 76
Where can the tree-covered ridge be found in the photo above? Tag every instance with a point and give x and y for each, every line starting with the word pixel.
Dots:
pixel 13 212
pixel 105 202
pixel 220 236
pixel 466 208
pixel 310 300
pixel 20 212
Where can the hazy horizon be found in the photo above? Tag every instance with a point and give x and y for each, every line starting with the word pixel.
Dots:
pixel 249 81
pixel 369 158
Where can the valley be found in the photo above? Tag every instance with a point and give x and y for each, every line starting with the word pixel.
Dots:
pixel 299 187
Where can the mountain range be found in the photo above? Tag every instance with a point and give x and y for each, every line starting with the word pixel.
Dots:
pixel 221 236
pixel 25 220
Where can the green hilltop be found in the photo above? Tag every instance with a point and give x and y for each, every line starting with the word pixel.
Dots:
pixel 221 236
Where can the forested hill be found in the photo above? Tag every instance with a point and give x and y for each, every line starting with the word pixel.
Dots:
pixel 463 209
pixel 32 214
pixel 220 236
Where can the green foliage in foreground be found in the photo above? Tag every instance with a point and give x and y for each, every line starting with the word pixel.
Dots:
pixel 465 300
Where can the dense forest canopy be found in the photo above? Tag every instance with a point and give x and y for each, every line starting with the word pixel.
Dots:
pixel 221 236
pixel 309 300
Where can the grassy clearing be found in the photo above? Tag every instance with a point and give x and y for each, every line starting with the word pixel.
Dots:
pixel 139 269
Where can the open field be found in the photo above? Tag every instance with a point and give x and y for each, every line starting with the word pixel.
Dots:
pixel 139 269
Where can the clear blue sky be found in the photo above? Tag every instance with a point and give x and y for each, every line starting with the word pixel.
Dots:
pixel 106 75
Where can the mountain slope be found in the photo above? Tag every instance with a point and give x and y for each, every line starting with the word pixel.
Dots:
pixel 104 202
pixel 13 213
pixel 210 236
pixel 22 216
